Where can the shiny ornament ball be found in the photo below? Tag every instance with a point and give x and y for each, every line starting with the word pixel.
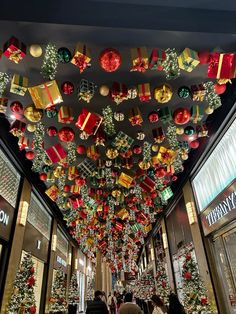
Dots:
pixel 163 93
pixel 144 165
pixel 51 112
pixel 16 107
pixel 84 136
pixel 184 156
pixel 108 163
pixel 181 116
pixel 67 88
pixel 189 130
pixel 31 127
pixel 220 88
pixel 110 60
pixel 52 131
pixel 155 148
pixel 153 117
pixel 140 136
pixel 132 92
pixel 194 144
pixel 209 110
pixel 43 176
pixel 204 57
pixel 46 168
pixel 66 188
pixel 160 173
pixel 179 131
pixel 30 155
pixel 184 92
pixel 81 149
pixel 66 134
pixel 35 51
pixel 174 178
pixel 104 90
pixel 33 114
pixel 137 149
pixel 64 55
pixel 119 116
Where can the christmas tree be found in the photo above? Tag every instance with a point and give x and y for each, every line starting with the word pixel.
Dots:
pixel 58 298
pixel 162 283
pixel 90 290
pixel 194 291
pixel 145 286
pixel 23 299
pixel 74 290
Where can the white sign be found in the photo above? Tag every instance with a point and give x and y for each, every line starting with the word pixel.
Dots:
pixel 61 261
pixel 38 244
pixel 4 218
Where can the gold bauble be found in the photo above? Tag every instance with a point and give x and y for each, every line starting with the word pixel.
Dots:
pixel 116 193
pixel 31 127
pixel 163 93
pixel 184 156
pixel 35 51
pixel 155 148
pixel 209 110
pixel 179 131
pixel 112 153
pixel 104 90
pixel 144 165
pixel 33 114
pixel 58 171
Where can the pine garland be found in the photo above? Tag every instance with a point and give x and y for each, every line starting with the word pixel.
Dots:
pixel 71 157
pixel 4 79
pixel 109 126
pixel 212 98
pixel 61 183
pixel 146 151
pixel 172 136
pixel 170 65
pixel 50 62
pixel 40 154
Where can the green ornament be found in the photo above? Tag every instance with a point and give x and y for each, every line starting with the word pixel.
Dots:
pixel 184 92
pixel 46 168
pixel 189 130
pixel 64 55
pixel 51 113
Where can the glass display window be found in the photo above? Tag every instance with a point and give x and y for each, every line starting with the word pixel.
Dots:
pixel 81 280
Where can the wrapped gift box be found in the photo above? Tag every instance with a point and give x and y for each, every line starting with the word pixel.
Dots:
pixel 147 184
pixel 135 228
pixel 14 50
pixel 119 92
pixel 72 173
pixel 122 213
pixel 93 152
pixel 119 226
pixel 52 192
pixel 222 65
pixel 170 170
pixel 65 115
pixel 166 193
pixel 88 122
pixel 143 218
pixel 18 128
pixel 202 130
pixel 50 177
pixel 197 113
pixel 126 178
pixel 19 85
pixel 158 134
pixel 86 168
pixel 165 114
pixel 45 95
pixel 122 142
pixel 3 104
pixel 157 58
pixel 166 155
pixel 135 116
pixel 82 57
pixel 198 92
pixel 188 60
pixel 139 58
pixel 86 90
pixel 148 228
pixel 144 92
pixel 56 153
pixel 23 143
pixel 75 189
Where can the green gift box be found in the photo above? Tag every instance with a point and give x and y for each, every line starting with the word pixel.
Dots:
pixel 197 113
pixel 165 114
pixel 122 142
pixel 166 193
pixel 188 60
pixel 19 85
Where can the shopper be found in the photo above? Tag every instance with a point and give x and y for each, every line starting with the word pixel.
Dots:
pixel 112 303
pixel 175 307
pixel 159 307
pixel 97 306
pixel 129 307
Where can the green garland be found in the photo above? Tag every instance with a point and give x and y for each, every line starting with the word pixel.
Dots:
pixel 212 98
pixel 40 154
pixel 4 79
pixel 61 183
pixel 109 126
pixel 146 152
pixel 172 137
pixel 50 62
pixel 71 153
pixel 170 65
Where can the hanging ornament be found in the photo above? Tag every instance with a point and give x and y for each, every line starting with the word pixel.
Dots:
pixel 179 131
pixel 209 110
pixel 46 168
pixel 137 149
pixel 108 163
pixel 140 136
pixel 189 130
pixel 43 176
pixel 110 60
pixel 183 92
pixel 160 173
pixel 170 64
pixel 112 153
pixel 81 149
pixel 4 79
pixel 184 156
pixel 31 127
pixel 29 155
pixel 194 144
pixel 108 123
pixel 66 134
pixel 71 148
pixel 84 136
pixel 64 55
pixel 104 90
pixel 214 100
pixel 33 114
pixel 100 137
pixel 163 93
pixel 50 62
pixel 144 165
pixel 119 116
pixel 36 51
pixel 52 131
pixel 132 92
pixel 51 112
pixel 67 88
pixel 220 88
pixel 181 116
pixel 16 107
pixel 204 57
pixel 153 117
pixel 155 148
pixel 66 188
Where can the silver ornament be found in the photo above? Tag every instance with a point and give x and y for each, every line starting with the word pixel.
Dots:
pixel 132 93
pixel 140 136
pixel 84 135
pixel 119 116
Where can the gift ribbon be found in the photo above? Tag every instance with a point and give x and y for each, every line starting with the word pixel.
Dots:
pixel 15 55
pixel 221 57
pixel 139 65
pixel 49 94
pixel 86 121
pixel 56 152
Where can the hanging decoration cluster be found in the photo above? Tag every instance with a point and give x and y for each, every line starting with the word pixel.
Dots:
pixel 50 62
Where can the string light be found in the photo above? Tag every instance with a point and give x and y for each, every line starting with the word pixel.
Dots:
pixel 50 62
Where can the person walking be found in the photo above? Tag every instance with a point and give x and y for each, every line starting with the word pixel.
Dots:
pixel 129 307
pixel 175 307
pixel 111 302
pixel 159 306
pixel 97 306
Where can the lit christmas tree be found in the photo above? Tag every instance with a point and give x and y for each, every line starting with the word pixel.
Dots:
pixel 162 283
pixel 90 290
pixel 194 291
pixel 50 62
pixel 58 298
pixel 23 298
pixel 74 290
pixel 145 286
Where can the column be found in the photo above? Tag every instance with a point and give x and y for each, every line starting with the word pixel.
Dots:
pixel 17 244
pixel 98 277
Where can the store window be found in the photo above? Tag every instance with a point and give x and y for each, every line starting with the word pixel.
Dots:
pixel 81 280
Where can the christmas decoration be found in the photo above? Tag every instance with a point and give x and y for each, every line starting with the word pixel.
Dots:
pixel 156 59
pixel 144 92
pixel 19 85
pixel 57 301
pixel 33 114
pixel 50 62
pixel 74 295
pixel 119 116
pixel 188 60
pixel 67 88
pixel 163 93
pixel 88 122
pixel 14 50
pixel 170 64
pixel 109 126
pixel 212 98
pixel 4 79
pixel 40 154
pixel 119 92
pixel 81 58
pixel 153 117
pixel 132 93
pixel 135 116
pixel 3 104
pixel 222 65
pixel 139 59
pixel 52 131
pixel 220 88
pixel 64 55
pixel 66 134
pixel 183 92
pixel 110 60
pixel 16 107
pixel 86 90
pixel 104 90
pixel 35 51
pixel 162 283
pixel 23 288
pixel 181 116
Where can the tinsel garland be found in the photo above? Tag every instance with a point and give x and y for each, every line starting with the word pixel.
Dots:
pixel 212 98
pixel 172 136
pixel 170 65
pixel 108 123
pixel 60 184
pixel 159 184
pixel 146 151
pixel 178 164
pixel 4 79
pixel 50 62
pixel 138 192
pixel 109 178
pixel 71 157
pixel 40 154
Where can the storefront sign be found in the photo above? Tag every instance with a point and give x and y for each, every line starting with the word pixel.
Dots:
pixel 6 217
pixel 221 210
pixel 60 261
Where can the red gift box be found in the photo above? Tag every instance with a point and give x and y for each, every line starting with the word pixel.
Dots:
pixel 65 115
pixel 158 56
pixel 88 122
pixel 14 50
pixel 148 185
pixel 17 128
pixel 23 142
pixel 222 65
pixel 119 92
pixel 56 153
pixel 144 92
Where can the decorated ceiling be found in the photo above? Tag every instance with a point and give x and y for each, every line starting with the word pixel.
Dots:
pixel 108 130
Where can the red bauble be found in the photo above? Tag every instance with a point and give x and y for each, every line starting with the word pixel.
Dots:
pixel 188 275
pixel 52 131
pixel 204 301
pixel 66 188
pixel 194 144
pixel 188 257
pixel 67 88
pixel 81 149
pixel 80 181
pixel 174 178
pixel 32 270
pixel 29 155
pixel 220 88
pixel 66 134
pixel 31 281
pixel 160 173
pixel 43 176
pixel 137 149
pixel 16 107
pixel 181 116
pixel 204 57
pixel 110 60
pixel 32 309
pixel 153 117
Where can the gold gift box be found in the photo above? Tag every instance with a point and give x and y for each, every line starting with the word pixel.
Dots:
pixel 125 179
pixel 166 155
pixel 139 55
pixel 81 52
pixel 52 192
pixel 122 213
pixel 188 60
pixel 19 85
pixel 147 228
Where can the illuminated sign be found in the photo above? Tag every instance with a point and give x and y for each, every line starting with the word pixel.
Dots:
pixel 4 217
pixel 61 261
